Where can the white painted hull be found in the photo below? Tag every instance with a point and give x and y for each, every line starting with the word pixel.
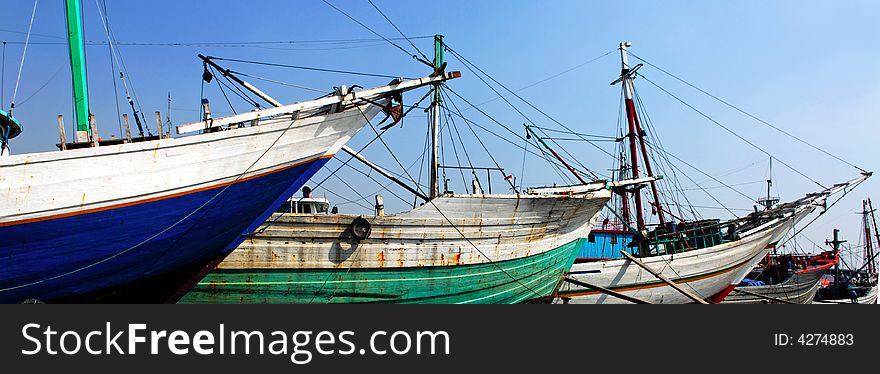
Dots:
pixel 706 272
pixel 142 219
pixel 41 185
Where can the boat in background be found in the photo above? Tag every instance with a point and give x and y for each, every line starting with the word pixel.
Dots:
pixel 676 262
pixel 142 219
pixel 854 286
pixel 784 278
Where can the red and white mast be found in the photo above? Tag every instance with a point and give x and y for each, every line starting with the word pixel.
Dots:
pixel 636 141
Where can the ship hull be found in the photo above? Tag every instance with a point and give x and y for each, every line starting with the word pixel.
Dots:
pixel 710 273
pixel 481 249
pixel 800 288
pixel 503 282
pixel 99 224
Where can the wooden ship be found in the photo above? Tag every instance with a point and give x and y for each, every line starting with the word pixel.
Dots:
pixel 784 278
pixel 676 260
pixel 143 218
pixel 455 248
pixel 858 285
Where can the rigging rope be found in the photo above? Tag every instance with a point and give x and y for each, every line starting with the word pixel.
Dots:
pixel 471 67
pixel 747 113
pixel 113 79
pixel 3 76
pixel 733 133
pixel 425 59
pixel 468 64
pixel 845 192
pixel 302 67
pixel 120 63
pixel 379 35
pixel 220 85
pixel 520 137
pixel 23 54
pixel 51 78
pixel 555 75
pixel 278 82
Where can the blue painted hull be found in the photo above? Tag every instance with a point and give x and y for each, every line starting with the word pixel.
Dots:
pixel 81 257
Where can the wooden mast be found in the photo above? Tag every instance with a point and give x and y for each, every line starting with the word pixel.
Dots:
pixel 435 119
pixel 78 69
pixel 835 244
pixel 869 244
pixel 630 114
pixel 637 140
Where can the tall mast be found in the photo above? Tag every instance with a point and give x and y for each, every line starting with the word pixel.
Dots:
pixel 835 244
pixel 869 241
pixel 769 201
pixel 636 140
pixel 78 66
pixel 435 119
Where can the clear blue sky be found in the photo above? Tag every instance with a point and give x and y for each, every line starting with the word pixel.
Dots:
pixel 805 66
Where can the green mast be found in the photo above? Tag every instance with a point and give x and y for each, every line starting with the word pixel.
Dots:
pixel 77 64
pixel 435 119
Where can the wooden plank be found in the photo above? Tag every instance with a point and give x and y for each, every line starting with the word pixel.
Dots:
pixel 159 125
pixel 63 143
pixel 127 128
pixel 672 284
pixel 288 109
pixel 94 128
pixel 605 291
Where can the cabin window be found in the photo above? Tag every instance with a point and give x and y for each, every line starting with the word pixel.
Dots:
pixel 307 208
pixel 613 239
pixel 285 208
pixel 591 238
pixel 322 209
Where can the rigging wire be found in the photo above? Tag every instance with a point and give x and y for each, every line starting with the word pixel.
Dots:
pixel 120 62
pixel 704 173
pixel 3 77
pixel 497 165
pixel 113 79
pixel 468 64
pixel 747 113
pixel 51 78
pixel 463 236
pixel 23 54
pixel 446 126
pixel 379 35
pixel 458 113
pixel 220 85
pixel 733 133
pixel 302 67
pixel 278 82
pixel 555 75
pixel 845 192
pixel 339 43
pixel 425 58
pixel 236 89
pixel 674 182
